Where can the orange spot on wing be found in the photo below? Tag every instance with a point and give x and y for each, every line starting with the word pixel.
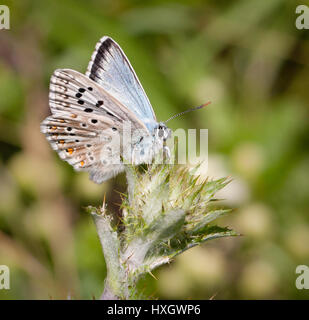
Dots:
pixel 53 127
pixel 61 141
pixel 82 163
pixel 73 116
pixel 70 150
pixel 61 120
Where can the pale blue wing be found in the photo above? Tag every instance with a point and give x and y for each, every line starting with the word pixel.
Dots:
pixel 110 68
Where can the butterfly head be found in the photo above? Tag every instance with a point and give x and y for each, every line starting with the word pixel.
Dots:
pixel 162 132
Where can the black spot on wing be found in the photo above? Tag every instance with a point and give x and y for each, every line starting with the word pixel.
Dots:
pixel 100 103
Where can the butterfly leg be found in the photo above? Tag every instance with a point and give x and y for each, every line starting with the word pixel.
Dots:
pixel 166 154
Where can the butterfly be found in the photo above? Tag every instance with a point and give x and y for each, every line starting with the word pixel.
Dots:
pixel 89 112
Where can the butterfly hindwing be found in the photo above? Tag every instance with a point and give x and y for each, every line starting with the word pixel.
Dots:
pixel 84 118
pixel 110 67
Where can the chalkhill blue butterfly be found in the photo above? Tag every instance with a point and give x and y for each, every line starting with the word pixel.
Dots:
pixel 92 112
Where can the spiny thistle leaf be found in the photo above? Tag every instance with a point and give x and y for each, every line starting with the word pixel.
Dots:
pixel 168 210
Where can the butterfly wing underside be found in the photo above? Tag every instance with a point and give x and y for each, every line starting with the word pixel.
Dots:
pixel 110 68
pixel 84 119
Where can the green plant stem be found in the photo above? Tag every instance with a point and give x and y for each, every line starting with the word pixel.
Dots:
pixel 115 279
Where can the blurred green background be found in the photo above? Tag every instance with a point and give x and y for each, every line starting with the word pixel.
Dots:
pixel 247 57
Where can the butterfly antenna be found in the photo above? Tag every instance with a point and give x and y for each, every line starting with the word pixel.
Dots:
pixel 189 110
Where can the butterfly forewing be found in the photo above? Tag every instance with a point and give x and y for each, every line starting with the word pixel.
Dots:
pixel 110 67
